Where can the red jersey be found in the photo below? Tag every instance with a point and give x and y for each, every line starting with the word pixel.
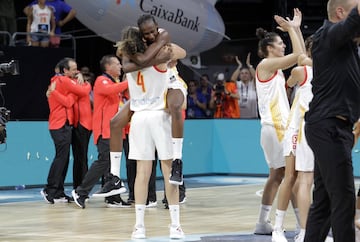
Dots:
pixel 106 104
pixel 82 108
pixel 61 103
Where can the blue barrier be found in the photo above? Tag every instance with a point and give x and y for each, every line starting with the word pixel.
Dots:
pixel 210 147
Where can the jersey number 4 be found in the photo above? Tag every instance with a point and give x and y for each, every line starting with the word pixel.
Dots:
pixel 140 81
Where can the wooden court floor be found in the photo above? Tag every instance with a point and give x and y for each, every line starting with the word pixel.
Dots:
pixel 208 211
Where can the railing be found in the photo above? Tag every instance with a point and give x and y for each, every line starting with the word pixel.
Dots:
pixel 19 39
pixel 9 38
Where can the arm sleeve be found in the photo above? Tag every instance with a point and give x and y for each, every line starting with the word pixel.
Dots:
pixel 68 101
pixel 79 90
pixel 65 7
pixel 105 88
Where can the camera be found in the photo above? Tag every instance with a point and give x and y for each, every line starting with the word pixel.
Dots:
pixel 11 68
pixel 219 90
pixel 4 118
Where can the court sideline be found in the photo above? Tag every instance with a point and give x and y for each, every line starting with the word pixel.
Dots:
pixel 218 208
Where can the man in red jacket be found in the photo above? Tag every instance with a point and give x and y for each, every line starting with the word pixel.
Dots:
pixel 106 105
pixel 62 94
pixel 81 133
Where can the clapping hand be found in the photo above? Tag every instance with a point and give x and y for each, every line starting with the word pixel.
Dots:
pixel 284 24
pixel 296 21
pixel 238 61
pixel 248 60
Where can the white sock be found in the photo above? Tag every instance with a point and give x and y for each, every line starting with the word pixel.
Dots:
pixel 177 147
pixel 174 215
pixel 115 160
pixel 140 214
pixel 264 213
pixel 279 219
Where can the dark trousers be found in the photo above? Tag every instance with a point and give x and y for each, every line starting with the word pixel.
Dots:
pixel 131 174
pixel 98 168
pixel 80 147
pixel 59 166
pixel 334 193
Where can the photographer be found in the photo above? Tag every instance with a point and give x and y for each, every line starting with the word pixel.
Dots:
pixel 224 98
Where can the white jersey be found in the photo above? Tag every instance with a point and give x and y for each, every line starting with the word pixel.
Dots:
pixel 304 154
pixel 292 126
pixel 148 88
pixel 150 124
pixel 306 92
pixel 301 101
pixel 273 102
pixel 294 115
pixel 41 19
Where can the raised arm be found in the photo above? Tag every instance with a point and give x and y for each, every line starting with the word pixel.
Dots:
pixel 236 73
pixel 173 51
pixel 251 68
pixel 296 22
pixel 129 66
pixel 304 60
pixel 145 59
pixel 270 65
pixel 176 53
pixel 297 76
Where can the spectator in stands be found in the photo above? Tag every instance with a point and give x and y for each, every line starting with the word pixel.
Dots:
pixel 40 24
pixel 63 14
pixel 205 90
pixel 224 98
pixel 7 19
pixel 196 102
pixel 244 78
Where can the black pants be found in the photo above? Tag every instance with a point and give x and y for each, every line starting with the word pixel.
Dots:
pixel 98 168
pixel 59 166
pixel 334 193
pixel 80 147
pixel 131 174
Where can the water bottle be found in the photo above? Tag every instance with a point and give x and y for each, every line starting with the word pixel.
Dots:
pixel 20 187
